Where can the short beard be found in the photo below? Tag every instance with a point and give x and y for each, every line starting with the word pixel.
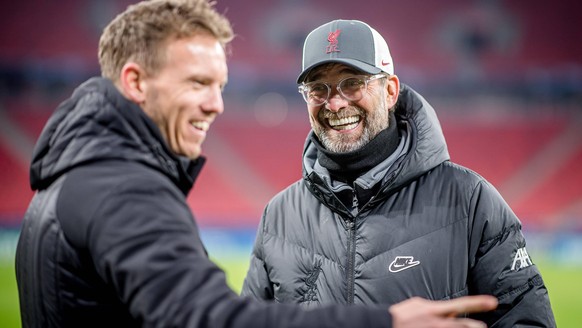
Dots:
pixel 374 123
pixel 343 144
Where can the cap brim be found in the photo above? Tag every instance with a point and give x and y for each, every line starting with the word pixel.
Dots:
pixel 367 68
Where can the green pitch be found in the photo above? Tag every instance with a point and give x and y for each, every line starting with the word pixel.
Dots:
pixel 562 283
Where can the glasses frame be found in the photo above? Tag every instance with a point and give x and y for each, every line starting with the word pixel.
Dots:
pixel 304 87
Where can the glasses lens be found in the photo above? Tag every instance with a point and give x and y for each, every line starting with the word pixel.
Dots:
pixel 352 87
pixel 316 93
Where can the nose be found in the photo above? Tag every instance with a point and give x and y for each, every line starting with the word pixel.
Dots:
pixel 335 102
pixel 214 102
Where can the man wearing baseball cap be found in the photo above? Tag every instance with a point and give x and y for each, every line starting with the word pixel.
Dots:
pixel 381 214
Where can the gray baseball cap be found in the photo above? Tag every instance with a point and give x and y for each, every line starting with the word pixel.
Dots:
pixel 349 42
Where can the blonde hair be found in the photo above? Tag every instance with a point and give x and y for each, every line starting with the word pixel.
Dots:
pixel 139 33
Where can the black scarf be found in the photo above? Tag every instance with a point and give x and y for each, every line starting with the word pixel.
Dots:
pixel 349 166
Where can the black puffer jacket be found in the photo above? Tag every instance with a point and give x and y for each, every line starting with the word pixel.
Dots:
pixel 431 228
pixel 109 240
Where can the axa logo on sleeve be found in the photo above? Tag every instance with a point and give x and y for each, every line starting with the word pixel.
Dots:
pixel 521 260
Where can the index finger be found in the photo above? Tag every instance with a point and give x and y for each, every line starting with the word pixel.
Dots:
pixel 466 304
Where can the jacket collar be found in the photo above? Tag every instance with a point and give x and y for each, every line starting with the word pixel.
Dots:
pixel 422 148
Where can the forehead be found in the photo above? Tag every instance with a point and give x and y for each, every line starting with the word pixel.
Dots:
pixel 331 70
pixel 198 54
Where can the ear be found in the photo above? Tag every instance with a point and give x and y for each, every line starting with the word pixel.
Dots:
pixel 132 80
pixel 393 90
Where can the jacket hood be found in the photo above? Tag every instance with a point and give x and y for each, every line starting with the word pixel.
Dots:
pixel 428 146
pixel 97 124
pixel 425 148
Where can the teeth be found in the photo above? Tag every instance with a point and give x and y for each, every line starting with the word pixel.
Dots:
pixel 343 121
pixel 201 125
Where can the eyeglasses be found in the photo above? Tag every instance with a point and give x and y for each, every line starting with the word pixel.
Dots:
pixel 351 88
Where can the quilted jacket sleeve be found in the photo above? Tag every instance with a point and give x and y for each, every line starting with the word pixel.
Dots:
pixel 501 266
pixel 257 284
pixel 145 243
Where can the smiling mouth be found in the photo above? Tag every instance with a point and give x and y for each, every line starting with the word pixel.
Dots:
pixel 344 123
pixel 201 125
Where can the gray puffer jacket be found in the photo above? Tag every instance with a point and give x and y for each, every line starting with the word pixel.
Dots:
pixel 431 228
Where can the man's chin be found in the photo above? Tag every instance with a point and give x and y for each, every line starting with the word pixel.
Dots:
pixel 194 156
pixel 340 146
pixel 192 153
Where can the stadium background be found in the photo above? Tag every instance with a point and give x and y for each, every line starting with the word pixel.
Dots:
pixel 504 76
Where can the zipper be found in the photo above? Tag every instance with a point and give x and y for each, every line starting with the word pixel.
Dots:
pixel 351 259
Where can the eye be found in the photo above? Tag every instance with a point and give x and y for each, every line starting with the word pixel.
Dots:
pixel 197 83
pixel 352 83
pixel 317 88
